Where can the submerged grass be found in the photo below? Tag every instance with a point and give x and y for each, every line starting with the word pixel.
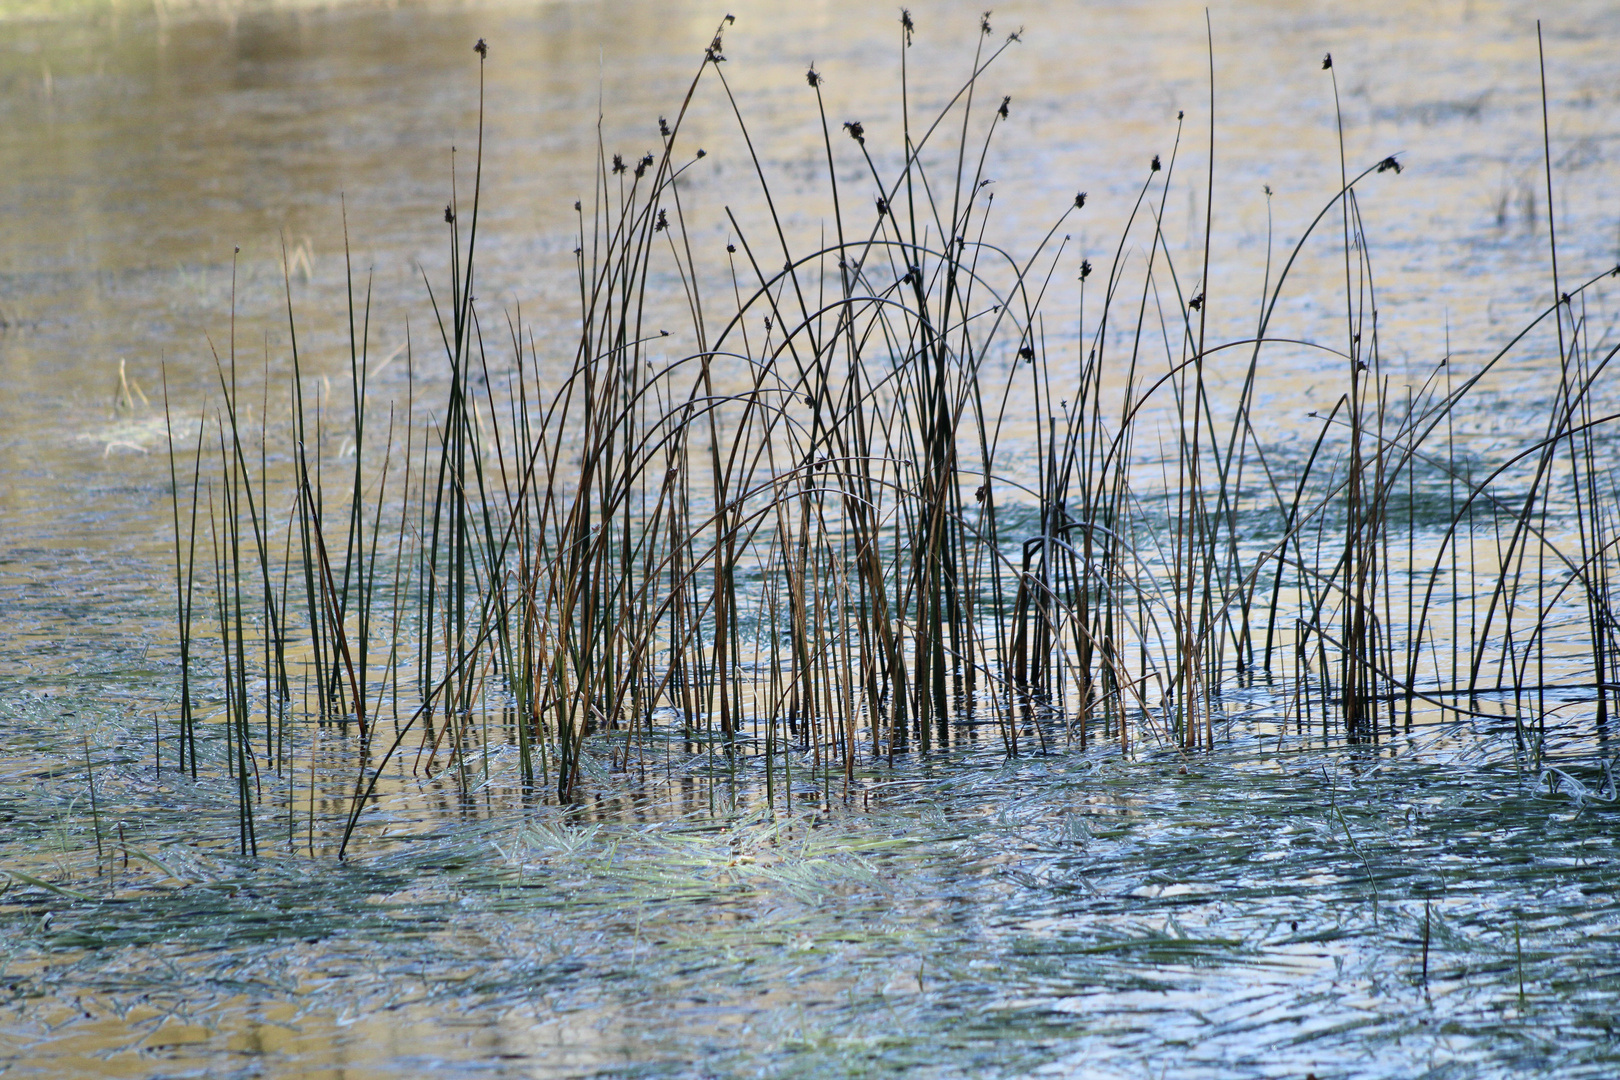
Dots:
pixel 1348 914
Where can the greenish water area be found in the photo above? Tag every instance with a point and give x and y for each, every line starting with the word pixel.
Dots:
pixel 1425 911
pixel 709 840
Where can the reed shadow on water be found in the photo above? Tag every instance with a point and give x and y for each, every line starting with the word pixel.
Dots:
pixel 967 592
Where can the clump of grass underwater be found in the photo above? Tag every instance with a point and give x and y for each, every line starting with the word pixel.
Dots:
pixel 887 681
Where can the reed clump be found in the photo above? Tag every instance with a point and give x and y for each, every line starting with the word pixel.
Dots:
pixel 874 509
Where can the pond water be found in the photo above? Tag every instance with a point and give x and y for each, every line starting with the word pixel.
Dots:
pixel 1438 905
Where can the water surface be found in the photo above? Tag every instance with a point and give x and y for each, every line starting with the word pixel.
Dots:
pixel 1261 914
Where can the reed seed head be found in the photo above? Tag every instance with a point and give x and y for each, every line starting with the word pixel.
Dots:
pixel 906 24
pixel 856 131
pixel 812 77
pixel 1085 269
pixel 1005 101
pixel 618 163
pixel 1390 163
pixel 1327 61
pixel 984 23
pixel 1155 166
pixel 1197 302
pixel 449 215
pixel 482 49
pixel 1079 200
pixel 663 127
pixel 662 223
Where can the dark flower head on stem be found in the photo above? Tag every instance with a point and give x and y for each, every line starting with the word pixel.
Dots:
pixel 1327 61
pixel 1155 167
pixel 906 24
pixel 1085 269
pixel 882 206
pixel 642 165
pixel 482 49
pixel 618 163
pixel 731 249
pixel 1079 200
pixel 1197 302
pixel 1390 163
pixel 663 222
pixel 701 153
pixel 813 77
pixel 1005 101
pixel 449 215
pixel 663 127
pixel 984 23
pixel 856 131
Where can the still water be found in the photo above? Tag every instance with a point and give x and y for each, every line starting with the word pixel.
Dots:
pixel 1440 913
